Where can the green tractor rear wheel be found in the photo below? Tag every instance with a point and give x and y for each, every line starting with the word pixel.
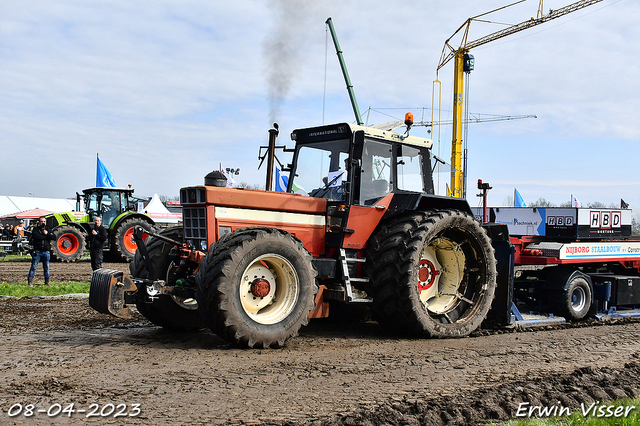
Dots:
pixel 124 244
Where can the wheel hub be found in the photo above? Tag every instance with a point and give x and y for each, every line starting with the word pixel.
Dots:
pixel 578 299
pixel 439 276
pixel 260 287
pixel 269 289
pixel 66 243
pixel 427 275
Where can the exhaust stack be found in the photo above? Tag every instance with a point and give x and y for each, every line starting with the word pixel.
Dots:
pixel 271 152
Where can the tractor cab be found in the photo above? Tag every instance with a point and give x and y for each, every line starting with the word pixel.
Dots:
pixel 108 203
pixel 356 165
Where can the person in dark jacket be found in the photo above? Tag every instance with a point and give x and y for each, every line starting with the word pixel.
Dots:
pixel 40 239
pixel 97 237
pixel 7 232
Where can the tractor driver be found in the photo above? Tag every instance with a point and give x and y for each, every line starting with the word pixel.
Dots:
pixel 333 189
pixel 110 210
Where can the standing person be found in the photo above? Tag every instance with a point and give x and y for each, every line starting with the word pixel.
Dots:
pixel 97 237
pixel 40 238
pixel 19 229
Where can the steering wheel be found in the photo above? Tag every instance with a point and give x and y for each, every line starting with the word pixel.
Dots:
pixel 326 186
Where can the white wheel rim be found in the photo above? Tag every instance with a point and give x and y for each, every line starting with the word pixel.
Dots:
pixel 440 274
pixel 269 289
pixel 578 299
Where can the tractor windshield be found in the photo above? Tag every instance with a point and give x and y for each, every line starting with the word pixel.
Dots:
pixel 321 169
pixel 107 204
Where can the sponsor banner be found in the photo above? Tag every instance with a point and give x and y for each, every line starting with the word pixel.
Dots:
pixel 604 223
pixel 561 222
pixel 604 218
pixel 534 221
pixel 604 250
pixel 519 220
pixel 166 215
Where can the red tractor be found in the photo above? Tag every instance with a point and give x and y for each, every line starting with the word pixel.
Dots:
pixel 358 225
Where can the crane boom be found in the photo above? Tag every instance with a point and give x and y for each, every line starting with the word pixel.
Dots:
pixel 468 45
pixel 463 62
pixel 345 73
pixel 392 125
pixel 532 22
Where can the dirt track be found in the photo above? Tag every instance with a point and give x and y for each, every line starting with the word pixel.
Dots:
pixel 59 351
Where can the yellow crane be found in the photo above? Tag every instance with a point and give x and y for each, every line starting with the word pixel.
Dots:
pixel 464 63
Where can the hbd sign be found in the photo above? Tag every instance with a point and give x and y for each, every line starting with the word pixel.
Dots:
pixel 605 219
pixel 560 220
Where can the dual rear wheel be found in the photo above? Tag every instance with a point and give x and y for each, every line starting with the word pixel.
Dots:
pixel 433 274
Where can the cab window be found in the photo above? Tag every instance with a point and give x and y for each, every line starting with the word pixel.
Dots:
pixel 375 175
pixel 409 169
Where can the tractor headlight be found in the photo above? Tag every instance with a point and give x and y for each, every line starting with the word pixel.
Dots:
pixel 203 245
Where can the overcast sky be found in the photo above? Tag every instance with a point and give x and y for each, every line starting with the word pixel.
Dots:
pixel 166 91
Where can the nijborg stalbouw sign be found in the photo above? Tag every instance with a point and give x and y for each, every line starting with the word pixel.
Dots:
pixel 602 250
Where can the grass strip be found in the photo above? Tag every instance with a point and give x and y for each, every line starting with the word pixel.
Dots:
pixel 22 289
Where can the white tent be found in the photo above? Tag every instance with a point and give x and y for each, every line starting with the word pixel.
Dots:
pixel 159 213
pixel 10 204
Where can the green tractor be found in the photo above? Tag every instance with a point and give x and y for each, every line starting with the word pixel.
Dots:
pixel 115 206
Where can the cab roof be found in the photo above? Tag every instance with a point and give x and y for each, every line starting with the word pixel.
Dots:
pixel 332 131
pixel 107 188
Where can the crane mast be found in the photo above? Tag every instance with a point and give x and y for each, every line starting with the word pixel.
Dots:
pixel 463 62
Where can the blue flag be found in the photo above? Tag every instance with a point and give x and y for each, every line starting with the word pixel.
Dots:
pixel 281 181
pixel 517 199
pixel 103 176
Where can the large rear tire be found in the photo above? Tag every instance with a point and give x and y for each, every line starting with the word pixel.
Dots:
pixel 170 312
pixel 125 244
pixel 432 274
pixel 69 245
pixel 256 287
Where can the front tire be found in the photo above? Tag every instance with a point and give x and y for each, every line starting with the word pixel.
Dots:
pixel 433 274
pixel 125 244
pixel 256 287
pixel 69 245
pixel 170 312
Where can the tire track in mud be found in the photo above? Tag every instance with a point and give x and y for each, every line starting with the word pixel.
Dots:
pixel 585 385
pixel 332 374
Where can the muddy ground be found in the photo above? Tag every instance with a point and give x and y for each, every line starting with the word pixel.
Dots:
pixel 60 351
